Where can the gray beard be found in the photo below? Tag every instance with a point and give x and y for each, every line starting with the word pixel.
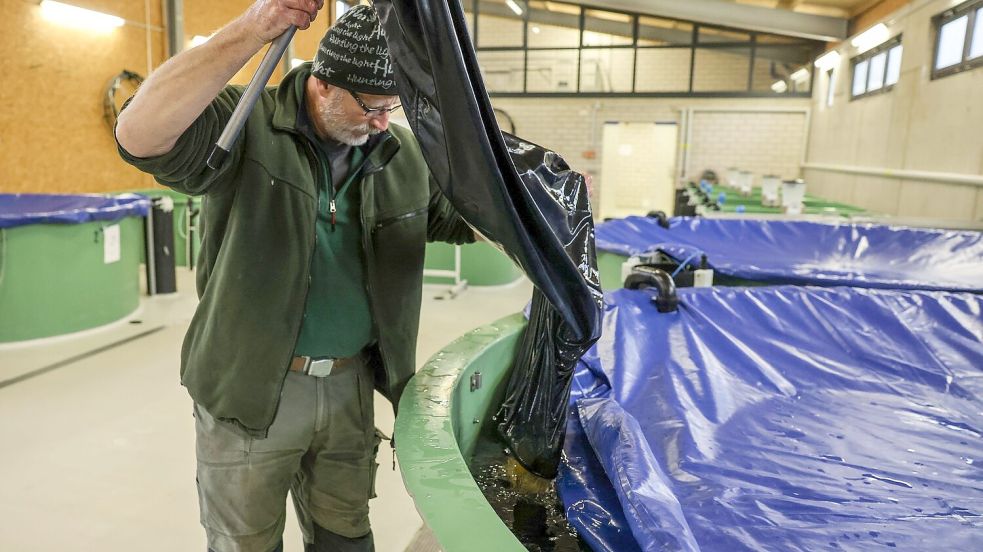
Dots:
pixel 332 114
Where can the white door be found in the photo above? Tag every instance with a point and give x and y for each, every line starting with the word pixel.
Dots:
pixel 638 168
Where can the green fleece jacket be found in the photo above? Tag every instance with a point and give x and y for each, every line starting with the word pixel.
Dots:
pixel 258 237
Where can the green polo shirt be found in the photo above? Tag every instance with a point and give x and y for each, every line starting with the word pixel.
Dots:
pixel 337 317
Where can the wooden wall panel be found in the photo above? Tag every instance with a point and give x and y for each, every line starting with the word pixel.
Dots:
pixel 867 18
pixel 54 138
pixel 204 17
pixel 305 43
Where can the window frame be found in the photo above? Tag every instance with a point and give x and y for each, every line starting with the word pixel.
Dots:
pixel 884 48
pixel 472 11
pixel 972 8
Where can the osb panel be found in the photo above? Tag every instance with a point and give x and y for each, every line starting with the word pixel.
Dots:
pixel 54 137
pixel 204 17
pixel 305 42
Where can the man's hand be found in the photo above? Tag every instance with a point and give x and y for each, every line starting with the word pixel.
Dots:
pixel 271 18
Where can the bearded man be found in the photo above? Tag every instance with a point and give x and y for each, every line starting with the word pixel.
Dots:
pixel 310 271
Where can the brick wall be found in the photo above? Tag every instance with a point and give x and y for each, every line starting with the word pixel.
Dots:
pixel 761 141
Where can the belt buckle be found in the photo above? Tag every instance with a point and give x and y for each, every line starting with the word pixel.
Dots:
pixel 319 368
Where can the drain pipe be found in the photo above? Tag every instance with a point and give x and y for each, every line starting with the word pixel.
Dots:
pixel 688 144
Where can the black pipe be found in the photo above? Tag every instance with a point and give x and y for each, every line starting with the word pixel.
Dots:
pixel 643 277
pixel 659 216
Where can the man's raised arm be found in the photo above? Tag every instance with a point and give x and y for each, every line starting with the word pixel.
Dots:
pixel 179 90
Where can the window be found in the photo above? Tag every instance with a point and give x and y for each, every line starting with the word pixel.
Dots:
pixel 602 28
pixel 552 29
pixel 499 25
pixel 893 65
pixel 952 38
pixel 860 78
pixel 789 64
pixel 959 39
pixel 976 49
pixel 553 47
pixel 721 69
pixel 877 70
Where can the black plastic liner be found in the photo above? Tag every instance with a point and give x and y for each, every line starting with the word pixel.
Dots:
pixel 517 194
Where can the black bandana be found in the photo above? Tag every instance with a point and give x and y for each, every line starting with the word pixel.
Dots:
pixel 354 55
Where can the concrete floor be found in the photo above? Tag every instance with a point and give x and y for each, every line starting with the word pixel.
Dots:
pixel 98 449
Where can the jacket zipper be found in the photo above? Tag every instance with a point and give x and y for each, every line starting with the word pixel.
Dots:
pixel 393 220
pixel 312 156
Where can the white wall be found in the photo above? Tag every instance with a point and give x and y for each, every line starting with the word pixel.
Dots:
pixel 921 125
pixel 763 142
pixel 746 133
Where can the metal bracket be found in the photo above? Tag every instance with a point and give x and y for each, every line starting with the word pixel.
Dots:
pixel 475 381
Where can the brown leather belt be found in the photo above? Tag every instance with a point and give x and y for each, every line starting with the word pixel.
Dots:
pixel 320 368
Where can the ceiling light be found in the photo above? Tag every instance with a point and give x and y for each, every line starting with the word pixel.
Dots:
pixel 829 60
pixel 779 87
pixel 800 75
pixel 535 29
pixel 79 17
pixel 870 38
pixel 514 7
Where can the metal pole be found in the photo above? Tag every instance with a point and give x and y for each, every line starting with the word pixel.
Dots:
pixel 174 14
pixel 249 98
pixel 151 264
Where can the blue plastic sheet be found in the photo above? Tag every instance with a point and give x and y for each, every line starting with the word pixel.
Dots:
pixel 23 209
pixel 802 252
pixel 780 419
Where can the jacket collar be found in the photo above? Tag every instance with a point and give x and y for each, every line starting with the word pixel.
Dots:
pixel 289 96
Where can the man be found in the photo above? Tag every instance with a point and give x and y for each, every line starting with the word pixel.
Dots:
pixel 310 276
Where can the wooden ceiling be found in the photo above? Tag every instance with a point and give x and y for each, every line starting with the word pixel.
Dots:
pixel 833 8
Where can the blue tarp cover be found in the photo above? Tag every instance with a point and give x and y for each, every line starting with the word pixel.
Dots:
pixel 23 209
pixel 780 419
pixel 802 252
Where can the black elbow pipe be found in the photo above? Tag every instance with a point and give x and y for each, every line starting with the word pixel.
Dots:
pixel 644 276
pixel 660 217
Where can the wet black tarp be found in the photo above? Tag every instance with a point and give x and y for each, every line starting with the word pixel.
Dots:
pixel 517 194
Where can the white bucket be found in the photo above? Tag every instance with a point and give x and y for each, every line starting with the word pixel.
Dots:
pixel 746 182
pixel 793 195
pixel 770 185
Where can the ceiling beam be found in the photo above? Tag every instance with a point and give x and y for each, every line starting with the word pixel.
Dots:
pixel 741 16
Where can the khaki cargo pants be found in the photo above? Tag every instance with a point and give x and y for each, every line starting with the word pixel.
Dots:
pixel 321 447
